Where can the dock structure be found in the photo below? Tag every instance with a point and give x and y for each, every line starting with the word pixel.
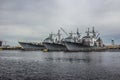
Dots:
pixel 113 46
pixel 11 48
pixel 0 43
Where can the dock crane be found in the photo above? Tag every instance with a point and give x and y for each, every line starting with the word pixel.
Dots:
pixel 64 31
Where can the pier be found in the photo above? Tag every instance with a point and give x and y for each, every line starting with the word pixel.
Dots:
pixel 11 48
pixel 113 46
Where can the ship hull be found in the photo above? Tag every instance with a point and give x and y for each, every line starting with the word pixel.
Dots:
pixel 31 46
pixel 72 46
pixel 55 46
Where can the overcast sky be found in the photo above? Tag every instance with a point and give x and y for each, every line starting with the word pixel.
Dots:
pixel 33 20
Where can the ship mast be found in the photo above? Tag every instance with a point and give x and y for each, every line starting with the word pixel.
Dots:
pixel 78 34
pixel 93 32
pixel 88 32
pixel 51 36
pixel 59 35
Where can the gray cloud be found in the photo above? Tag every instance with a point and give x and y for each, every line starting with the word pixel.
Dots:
pixel 34 19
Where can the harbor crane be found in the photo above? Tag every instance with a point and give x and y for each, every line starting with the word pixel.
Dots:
pixel 64 31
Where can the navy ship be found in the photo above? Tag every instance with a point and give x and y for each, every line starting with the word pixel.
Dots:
pixel 90 42
pixel 54 42
pixel 31 46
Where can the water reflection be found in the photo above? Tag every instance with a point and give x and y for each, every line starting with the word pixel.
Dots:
pixel 67 59
pixel 84 57
pixel 74 57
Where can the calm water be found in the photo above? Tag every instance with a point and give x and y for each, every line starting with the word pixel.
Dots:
pixel 37 65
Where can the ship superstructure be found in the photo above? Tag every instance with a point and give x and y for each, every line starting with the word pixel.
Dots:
pixel 54 42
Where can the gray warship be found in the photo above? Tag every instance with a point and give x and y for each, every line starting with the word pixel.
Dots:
pixel 31 46
pixel 54 42
pixel 90 42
